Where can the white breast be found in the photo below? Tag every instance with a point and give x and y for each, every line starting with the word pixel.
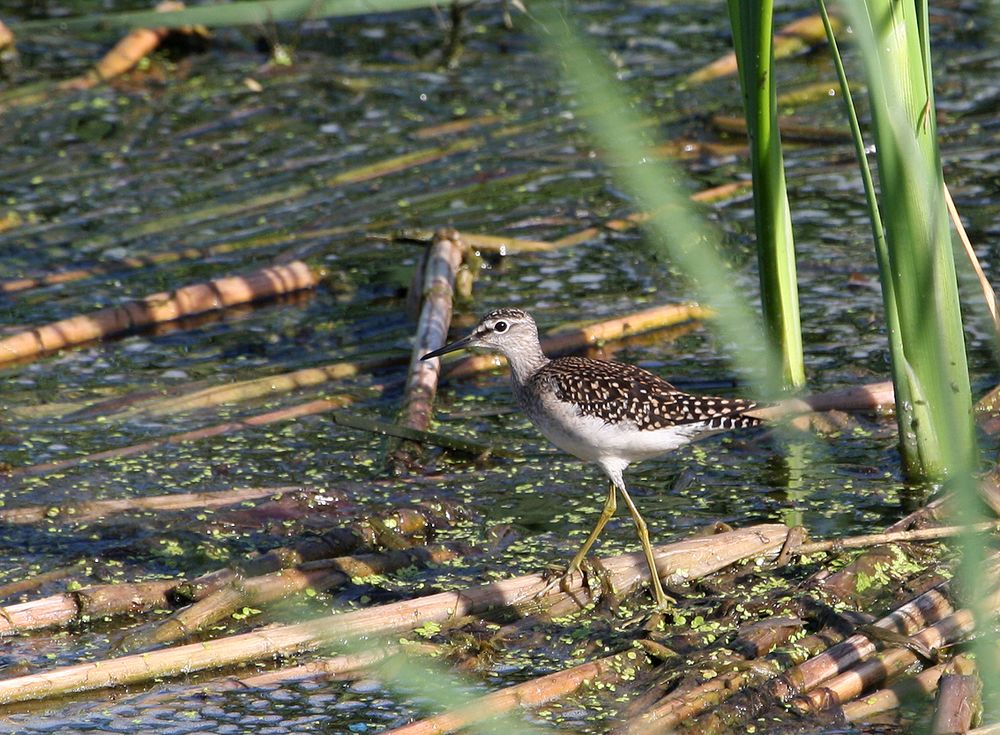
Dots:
pixel 594 440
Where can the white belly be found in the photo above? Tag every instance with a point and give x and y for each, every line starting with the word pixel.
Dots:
pixel 594 440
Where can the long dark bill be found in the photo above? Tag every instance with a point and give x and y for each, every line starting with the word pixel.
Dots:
pixel 456 345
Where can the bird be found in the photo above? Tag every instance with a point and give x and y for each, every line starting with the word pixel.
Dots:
pixel 608 413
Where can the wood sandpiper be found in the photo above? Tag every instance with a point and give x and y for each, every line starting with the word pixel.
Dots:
pixel 610 413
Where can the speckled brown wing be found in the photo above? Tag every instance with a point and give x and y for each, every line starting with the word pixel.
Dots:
pixel 617 392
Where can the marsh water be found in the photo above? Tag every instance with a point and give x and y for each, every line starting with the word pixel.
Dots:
pixel 194 149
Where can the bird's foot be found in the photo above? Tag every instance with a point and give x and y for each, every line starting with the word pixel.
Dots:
pixel 591 571
pixel 662 601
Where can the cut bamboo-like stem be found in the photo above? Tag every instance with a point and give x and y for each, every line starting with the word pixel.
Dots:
pixel 34 582
pixel 883 700
pixel 873 397
pixel 907 619
pixel 162 307
pixel 686 559
pixel 118 599
pixel 873 539
pixel 793 38
pixel 271 385
pixel 889 663
pixel 959 704
pixel 527 694
pixel 268 588
pixel 90 602
pixel 437 294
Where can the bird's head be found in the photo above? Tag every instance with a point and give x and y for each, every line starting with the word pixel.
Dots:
pixel 507 331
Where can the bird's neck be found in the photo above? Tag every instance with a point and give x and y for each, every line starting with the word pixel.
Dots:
pixel 525 362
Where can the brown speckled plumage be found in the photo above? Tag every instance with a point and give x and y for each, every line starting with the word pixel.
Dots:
pixel 617 392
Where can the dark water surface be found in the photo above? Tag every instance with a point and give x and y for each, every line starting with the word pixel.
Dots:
pixel 136 168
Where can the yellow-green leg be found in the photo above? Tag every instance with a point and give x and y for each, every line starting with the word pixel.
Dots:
pixel 610 505
pixel 662 600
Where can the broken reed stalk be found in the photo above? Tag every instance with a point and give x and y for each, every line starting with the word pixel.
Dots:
pixel 437 290
pixel 796 37
pixel 531 693
pixel 268 386
pixel 175 501
pixel 686 559
pixel 680 707
pixel 873 397
pixel 921 534
pixel 129 51
pixel 162 307
pixel 504 245
pixel 959 703
pixel 83 605
pixel 885 665
pixel 310 408
pixel 500 244
pixel 907 619
pixel 263 590
pixel 130 598
pixel 146 260
pixel 647 320
pixel 883 700
pixel 923 610
pixel 759 686
pixel 791 130
pixel 34 582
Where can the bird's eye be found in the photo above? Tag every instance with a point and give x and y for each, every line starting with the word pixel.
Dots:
pixel 500 327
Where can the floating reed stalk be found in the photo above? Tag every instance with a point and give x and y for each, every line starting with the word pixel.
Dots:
pixel 437 290
pixel 264 590
pixel 136 45
pixel 687 559
pixel 886 665
pixel 162 307
pixel 531 693
pixel 86 604
pixel 271 385
pixel 796 37
pixel 865 708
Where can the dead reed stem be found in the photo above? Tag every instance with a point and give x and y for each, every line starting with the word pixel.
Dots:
pixel 796 37
pixel 959 702
pixel 887 664
pixel 437 294
pixel 269 588
pixel 90 602
pixel 158 308
pixel 527 694
pixel 860 710
pixel 35 581
pixel 873 539
pixel 688 559
pixel 268 386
